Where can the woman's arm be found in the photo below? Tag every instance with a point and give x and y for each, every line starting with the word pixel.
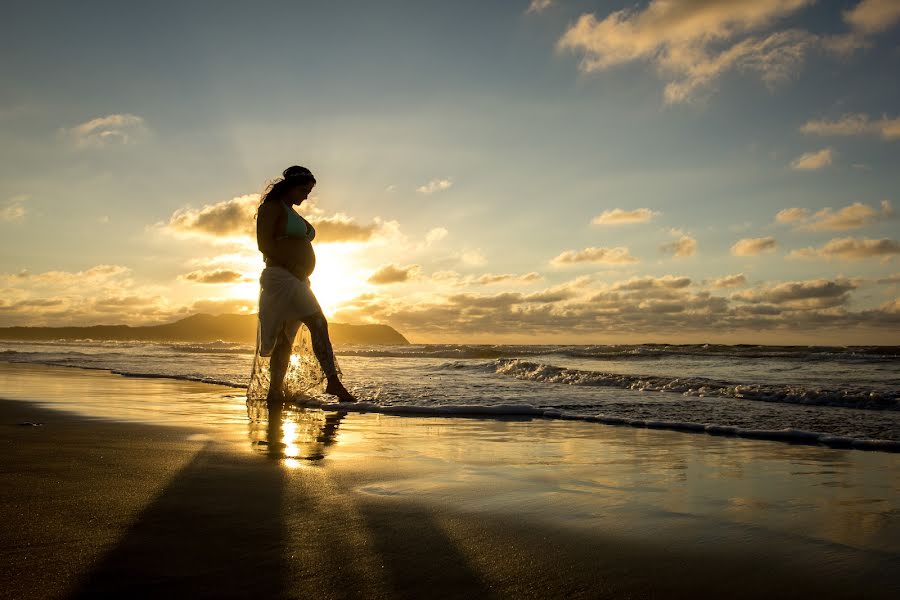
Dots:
pixel 267 230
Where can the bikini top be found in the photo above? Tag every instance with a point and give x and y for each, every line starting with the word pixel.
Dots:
pixel 297 227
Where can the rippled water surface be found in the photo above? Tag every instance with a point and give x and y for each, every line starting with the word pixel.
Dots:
pixel 841 395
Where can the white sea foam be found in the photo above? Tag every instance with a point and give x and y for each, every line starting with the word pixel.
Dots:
pixel 700 387
pixel 501 411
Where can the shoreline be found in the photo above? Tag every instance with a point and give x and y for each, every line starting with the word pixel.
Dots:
pixel 523 411
pixel 371 505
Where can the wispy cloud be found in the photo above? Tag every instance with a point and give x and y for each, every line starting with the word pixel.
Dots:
pixel 813 161
pixel 435 235
pixel 618 216
pixel 855 125
pixel 613 256
pixel 214 276
pixel 435 185
pixel 693 43
pixel 853 216
pixel 753 246
pixel 13 209
pixel 538 6
pixel 850 248
pixel 120 128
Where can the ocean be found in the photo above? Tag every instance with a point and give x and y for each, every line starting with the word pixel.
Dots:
pixel 838 396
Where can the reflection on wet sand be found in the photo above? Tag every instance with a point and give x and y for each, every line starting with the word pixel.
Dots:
pixel 284 431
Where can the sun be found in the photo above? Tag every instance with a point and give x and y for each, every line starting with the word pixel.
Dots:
pixel 336 279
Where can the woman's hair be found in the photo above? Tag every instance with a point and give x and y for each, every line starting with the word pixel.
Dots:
pixel 292 176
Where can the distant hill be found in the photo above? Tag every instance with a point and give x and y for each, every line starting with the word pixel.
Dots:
pixel 200 328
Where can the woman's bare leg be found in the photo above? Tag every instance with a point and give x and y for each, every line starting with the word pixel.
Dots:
pixel 278 365
pixel 321 343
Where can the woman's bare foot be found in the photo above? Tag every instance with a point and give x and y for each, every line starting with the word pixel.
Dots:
pixel 336 388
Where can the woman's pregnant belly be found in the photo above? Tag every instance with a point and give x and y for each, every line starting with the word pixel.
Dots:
pixel 301 251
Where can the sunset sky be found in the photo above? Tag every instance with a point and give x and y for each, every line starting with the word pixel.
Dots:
pixel 549 171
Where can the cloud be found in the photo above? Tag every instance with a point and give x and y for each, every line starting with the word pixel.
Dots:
pixel 728 281
pixel 692 43
pixel 13 209
pixel 683 247
pixel 121 128
pixel 813 161
pixel 791 215
pixel 813 293
pixel 343 228
pixel 435 185
pixel 850 248
pixel 753 246
pixel 220 306
pixel 613 256
pixel 214 276
pixel 235 219
pixel 393 274
pixel 873 16
pixel 538 6
pixel 99 273
pixel 436 235
pixel 474 258
pixel 853 216
pixel 646 283
pixel 868 18
pixel 660 308
pixel 855 125
pixel 490 278
pixel 618 216
pixel 229 218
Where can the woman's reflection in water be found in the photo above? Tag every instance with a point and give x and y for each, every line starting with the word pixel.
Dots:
pixel 284 431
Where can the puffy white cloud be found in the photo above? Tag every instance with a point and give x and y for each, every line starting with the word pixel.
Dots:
pixel 692 43
pixel 851 248
pixel 753 246
pixel 120 128
pixel 855 125
pixel 618 216
pixel 435 185
pixel 612 256
pixel 813 161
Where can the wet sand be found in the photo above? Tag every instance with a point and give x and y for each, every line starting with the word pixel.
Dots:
pixel 312 503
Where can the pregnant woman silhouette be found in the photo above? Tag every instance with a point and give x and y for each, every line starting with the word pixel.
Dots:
pixel 286 301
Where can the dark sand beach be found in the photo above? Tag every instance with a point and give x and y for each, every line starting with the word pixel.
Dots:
pixel 329 505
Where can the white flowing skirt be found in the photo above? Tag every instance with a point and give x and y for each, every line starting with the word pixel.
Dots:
pixel 283 301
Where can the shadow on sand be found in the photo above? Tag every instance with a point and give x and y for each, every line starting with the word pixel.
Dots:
pixel 230 525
